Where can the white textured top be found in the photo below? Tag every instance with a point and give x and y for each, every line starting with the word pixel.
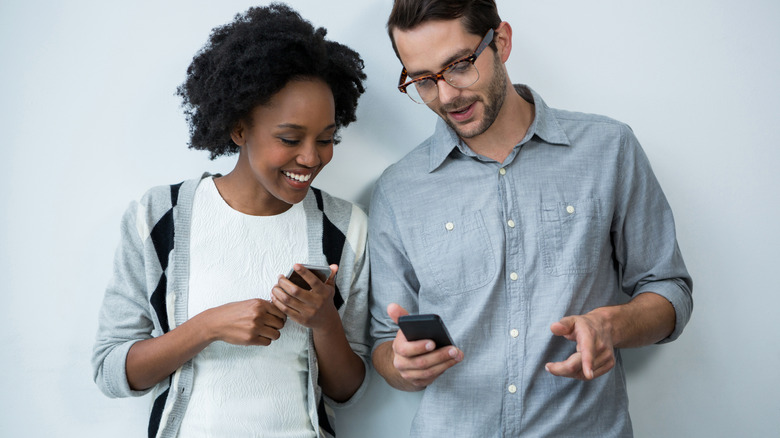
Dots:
pixel 245 390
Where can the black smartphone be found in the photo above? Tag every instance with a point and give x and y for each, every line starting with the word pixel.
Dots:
pixel 425 326
pixel 323 272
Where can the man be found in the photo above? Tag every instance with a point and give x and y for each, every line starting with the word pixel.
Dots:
pixel 519 225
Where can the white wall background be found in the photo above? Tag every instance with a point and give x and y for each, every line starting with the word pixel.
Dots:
pixel 89 120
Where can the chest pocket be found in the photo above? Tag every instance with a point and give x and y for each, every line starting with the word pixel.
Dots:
pixel 458 253
pixel 570 239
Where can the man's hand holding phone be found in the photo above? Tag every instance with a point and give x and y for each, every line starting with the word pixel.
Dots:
pixel 420 362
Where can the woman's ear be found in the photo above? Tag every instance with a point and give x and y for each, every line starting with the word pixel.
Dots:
pixel 503 39
pixel 238 133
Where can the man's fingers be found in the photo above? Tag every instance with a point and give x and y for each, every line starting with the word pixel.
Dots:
pixel 424 377
pixel 425 368
pixel 411 349
pixel 603 363
pixel 571 367
pixel 564 327
pixel 586 345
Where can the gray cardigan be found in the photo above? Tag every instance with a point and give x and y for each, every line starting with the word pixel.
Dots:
pixel 147 295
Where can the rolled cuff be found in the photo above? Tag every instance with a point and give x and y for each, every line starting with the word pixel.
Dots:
pixel 679 295
pixel 356 396
pixel 112 378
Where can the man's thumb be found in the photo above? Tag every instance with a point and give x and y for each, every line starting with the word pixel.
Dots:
pixel 395 311
pixel 563 327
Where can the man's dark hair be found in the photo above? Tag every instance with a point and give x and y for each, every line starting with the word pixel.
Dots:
pixel 245 62
pixel 478 16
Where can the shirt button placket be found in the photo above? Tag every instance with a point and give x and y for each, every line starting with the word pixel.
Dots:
pixel 514 289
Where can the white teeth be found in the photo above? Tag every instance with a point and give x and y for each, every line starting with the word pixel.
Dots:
pixel 301 178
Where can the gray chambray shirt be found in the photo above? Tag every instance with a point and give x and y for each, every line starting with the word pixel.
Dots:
pixel 570 221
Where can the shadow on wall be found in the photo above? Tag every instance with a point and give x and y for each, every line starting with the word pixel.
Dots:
pixel 364 197
pixel 636 360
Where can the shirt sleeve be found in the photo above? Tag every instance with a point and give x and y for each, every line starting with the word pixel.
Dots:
pixel 124 315
pixel 354 317
pixel 393 279
pixel 644 237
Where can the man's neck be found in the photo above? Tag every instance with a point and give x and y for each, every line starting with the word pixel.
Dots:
pixel 509 128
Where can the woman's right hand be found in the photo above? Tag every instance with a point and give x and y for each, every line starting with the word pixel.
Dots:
pixel 250 322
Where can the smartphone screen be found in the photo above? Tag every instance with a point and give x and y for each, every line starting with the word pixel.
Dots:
pixel 425 326
pixel 323 272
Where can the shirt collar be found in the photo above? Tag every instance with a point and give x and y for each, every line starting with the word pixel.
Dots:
pixel 545 126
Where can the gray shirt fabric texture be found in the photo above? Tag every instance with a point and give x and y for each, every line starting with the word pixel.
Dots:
pixel 147 295
pixel 572 220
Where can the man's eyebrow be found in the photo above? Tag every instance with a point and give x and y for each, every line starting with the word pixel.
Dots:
pixel 455 57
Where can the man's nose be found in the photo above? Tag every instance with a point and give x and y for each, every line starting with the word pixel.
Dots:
pixel 446 91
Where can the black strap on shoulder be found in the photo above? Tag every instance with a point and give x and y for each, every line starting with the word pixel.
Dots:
pixel 162 236
pixel 163 240
pixel 332 242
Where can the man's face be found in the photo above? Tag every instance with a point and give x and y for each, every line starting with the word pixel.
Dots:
pixel 433 45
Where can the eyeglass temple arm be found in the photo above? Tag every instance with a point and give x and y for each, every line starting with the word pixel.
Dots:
pixel 485 42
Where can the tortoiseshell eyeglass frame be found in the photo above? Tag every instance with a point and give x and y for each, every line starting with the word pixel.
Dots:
pixel 440 75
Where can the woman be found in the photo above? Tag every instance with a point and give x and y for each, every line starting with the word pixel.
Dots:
pixel 197 311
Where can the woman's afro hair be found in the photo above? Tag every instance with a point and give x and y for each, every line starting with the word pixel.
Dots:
pixel 245 62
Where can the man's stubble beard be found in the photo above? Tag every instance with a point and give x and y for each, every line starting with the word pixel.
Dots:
pixel 496 94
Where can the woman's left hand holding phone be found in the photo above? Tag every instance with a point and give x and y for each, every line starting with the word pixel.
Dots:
pixel 341 370
pixel 312 308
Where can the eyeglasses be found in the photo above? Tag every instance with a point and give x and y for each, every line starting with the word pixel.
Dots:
pixel 460 74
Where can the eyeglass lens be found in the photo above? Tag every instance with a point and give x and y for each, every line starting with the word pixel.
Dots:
pixel 460 75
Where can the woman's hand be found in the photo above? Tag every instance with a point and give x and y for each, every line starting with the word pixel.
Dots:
pixel 312 308
pixel 341 370
pixel 250 322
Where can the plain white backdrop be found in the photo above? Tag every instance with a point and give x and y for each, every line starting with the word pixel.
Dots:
pixel 89 121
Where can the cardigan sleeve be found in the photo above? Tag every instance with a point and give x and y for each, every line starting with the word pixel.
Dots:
pixel 124 316
pixel 354 312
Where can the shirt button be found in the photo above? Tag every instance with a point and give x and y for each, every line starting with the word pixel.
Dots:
pixel 502 171
pixel 513 276
pixel 512 389
pixel 514 333
pixel 570 209
pixel 449 226
pixel 511 223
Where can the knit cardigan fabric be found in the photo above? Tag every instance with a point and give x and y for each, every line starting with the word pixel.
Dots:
pixel 147 295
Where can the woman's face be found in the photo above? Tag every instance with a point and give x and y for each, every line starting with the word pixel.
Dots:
pixel 286 144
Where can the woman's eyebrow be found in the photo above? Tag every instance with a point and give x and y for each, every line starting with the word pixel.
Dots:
pixel 301 127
